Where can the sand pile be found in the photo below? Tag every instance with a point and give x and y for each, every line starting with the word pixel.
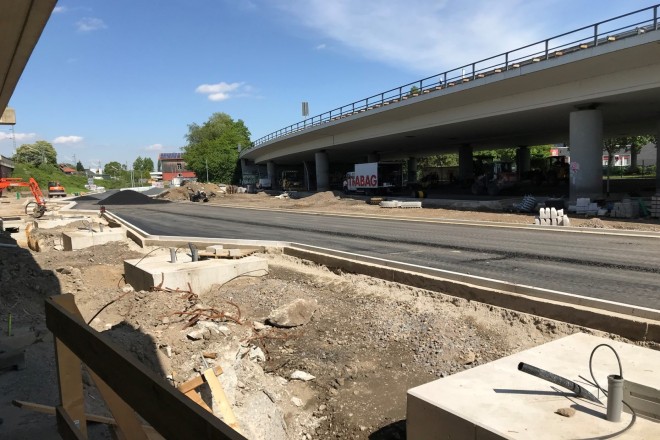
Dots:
pixel 180 193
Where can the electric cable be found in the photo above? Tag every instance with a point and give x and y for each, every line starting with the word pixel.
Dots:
pixel 591 371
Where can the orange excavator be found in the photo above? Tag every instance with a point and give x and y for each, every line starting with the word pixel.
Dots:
pixel 38 206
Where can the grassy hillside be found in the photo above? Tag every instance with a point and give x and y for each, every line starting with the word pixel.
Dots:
pixel 73 184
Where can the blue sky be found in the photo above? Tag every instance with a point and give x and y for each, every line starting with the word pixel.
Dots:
pixel 114 80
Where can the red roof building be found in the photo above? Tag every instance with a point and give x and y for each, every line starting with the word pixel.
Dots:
pixel 67 169
pixel 172 165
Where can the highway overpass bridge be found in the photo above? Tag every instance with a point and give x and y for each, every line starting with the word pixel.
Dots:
pixel 577 88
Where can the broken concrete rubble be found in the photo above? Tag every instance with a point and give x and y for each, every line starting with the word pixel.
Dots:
pixel 294 314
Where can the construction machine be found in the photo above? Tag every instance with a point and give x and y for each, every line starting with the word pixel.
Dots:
pixel 55 189
pixel 552 169
pixel 36 208
pixel 494 176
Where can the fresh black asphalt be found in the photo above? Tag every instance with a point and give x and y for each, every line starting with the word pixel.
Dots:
pixel 612 267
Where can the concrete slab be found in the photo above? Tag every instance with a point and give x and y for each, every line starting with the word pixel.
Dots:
pixel 74 240
pixel 496 401
pixel 200 276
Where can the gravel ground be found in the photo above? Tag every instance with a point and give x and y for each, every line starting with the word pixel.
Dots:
pixel 367 342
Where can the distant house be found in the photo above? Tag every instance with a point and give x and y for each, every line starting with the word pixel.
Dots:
pixel 622 158
pixel 66 169
pixel 172 165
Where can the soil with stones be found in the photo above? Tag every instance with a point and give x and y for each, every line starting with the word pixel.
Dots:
pixel 366 342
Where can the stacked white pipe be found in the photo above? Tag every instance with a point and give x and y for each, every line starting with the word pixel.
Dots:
pixel 552 217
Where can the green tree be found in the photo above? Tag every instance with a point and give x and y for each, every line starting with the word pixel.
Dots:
pixel 79 166
pixel 611 146
pixel 634 144
pixel 414 90
pixel 142 166
pixel 113 168
pixel 215 144
pixel 39 153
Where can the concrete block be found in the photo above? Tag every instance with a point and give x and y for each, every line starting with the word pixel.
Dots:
pixel 213 249
pixel 184 274
pixel 74 240
pixel 496 401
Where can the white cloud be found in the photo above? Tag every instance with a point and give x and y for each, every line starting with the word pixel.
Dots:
pixel 59 9
pixel 89 24
pixel 321 46
pixel 222 91
pixel 17 136
pixel 154 147
pixel 425 36
pixel 67 140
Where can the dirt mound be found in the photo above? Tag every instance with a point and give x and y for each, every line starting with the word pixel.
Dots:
pixel 593 223
pixel 128 197
pixel 325 198
pixel 182 192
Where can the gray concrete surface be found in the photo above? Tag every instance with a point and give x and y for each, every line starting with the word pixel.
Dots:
pixel 496 401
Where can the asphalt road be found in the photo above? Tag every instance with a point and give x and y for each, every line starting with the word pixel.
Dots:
pixel 618 268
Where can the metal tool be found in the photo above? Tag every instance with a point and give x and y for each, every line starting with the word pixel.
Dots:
pixel 558 380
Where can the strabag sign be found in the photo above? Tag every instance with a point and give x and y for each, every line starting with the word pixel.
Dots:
pixel 365 175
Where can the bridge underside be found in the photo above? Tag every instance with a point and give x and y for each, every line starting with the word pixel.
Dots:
pixel 530 105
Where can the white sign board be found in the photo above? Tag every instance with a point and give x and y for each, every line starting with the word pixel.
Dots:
pixel 365 176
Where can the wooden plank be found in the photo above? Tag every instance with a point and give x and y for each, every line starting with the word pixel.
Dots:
pixel 164 407
pixel 69 372
pixel 93 418
pixel 220 398
pixel 127 420
pixel 66 427
pixel 197 381
pixel 195 397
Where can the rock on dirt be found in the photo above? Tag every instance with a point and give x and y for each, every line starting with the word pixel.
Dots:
pixel 294 314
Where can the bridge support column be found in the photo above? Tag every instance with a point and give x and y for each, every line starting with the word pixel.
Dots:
pixel 270 170
pixel 322 171
pixel 523 160
pixel 412 170
pixel 373 157
pixel 465 166
pixel 657 158
pixel 586 141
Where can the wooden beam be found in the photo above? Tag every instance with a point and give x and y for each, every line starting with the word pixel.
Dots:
pixel 197 381
pixel 69 373
pixel 164 407
pixel 93 418
pixel 66 427
pixel 127 420
pixel 220 398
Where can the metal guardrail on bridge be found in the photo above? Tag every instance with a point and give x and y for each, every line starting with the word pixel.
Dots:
pixel 617 28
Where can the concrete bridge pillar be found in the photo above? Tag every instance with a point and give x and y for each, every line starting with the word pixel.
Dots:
pixel 657 158
pixel 586 142
pixel 270 170
pixel 523 159
pixel 322 171
pixel 373 157
pixel 412 169
pixel 465 165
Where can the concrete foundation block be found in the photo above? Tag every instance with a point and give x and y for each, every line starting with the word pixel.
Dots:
pixel 74 240
pixel 496 401
pixel 215 248
pixel 184 274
